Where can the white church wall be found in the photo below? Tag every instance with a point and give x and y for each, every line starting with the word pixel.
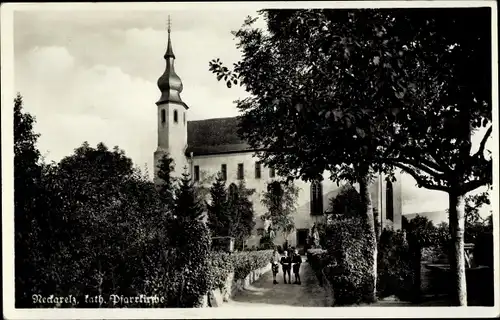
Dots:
pixel 209 165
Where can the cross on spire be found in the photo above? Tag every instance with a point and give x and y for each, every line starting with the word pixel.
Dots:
pixel 168 24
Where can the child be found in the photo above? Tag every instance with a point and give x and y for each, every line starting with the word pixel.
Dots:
pixel 275 265
pixel 286 264
pixel 296 261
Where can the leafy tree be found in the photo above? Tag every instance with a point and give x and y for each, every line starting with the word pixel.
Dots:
pixel 27 172
pixel 354 92
pixel 241 211
pixel 347 202
pixel 219 217
pixel 280 200
pixel 187 204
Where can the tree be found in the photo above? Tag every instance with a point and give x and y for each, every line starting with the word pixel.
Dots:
pixel 187 204
pixel 280 199
pixel 241 211
pixel 219 217
pixel 354 92
pixel 347 202
pixel 27 172
pixel 166 186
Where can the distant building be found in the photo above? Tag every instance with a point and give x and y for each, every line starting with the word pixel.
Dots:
pixel 207 147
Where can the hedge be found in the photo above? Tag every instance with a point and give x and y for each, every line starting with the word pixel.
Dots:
pixel 350 248
pixel 316 259
pixel 394 266
pixel 245 262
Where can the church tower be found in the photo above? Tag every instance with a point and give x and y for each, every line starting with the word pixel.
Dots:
pixel 172 117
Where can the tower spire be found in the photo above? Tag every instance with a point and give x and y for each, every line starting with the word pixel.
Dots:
pixel 169 83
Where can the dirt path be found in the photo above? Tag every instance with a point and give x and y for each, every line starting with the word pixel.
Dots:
pixel 264 292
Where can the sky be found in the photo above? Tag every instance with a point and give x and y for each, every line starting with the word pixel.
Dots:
pixel 91 76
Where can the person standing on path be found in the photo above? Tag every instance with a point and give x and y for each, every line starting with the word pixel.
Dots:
pixel 296 261
pixel 275 259
pixel 286 265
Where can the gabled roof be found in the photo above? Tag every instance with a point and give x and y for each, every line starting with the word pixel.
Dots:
pixel 214 136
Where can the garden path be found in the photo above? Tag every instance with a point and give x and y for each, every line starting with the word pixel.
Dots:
pixel 264 292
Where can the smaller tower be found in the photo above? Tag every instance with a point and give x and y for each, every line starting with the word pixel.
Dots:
pixel 171 113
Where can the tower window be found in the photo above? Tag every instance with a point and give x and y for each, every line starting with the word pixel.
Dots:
pixel 176 116
pixel 184 118
pixel 241 174
pixel 272 174
pixel 257 170
pixel 389 198
pixel 223 170
pixel 163 116
pixel 196 173
pixel 316 198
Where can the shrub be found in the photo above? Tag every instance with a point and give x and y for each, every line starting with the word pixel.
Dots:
pixel 483 249
pixel 221 265
pixel 394 266
pixel 316 259
pixel 349 251
pixel 245 262
pixel 266 243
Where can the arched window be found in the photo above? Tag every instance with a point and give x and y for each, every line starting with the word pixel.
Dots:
pixel 163 116
pixel 389 198
pixel 316 198
pixel 176 116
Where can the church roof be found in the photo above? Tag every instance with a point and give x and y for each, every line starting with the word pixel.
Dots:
pixel 214 136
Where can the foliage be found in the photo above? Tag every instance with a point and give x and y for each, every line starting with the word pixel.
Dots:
pixel 242 213
pixel 347 203
pixel 350 91
pixel 483 249
pixel 219 216
pixel 266 242
pixel 166 181
pixel 221 266
pixel 84 203
pixel 280 199
pixel 27 172
pixel 395 270
pixel 316 259
pixel 244 262
pixel 187 203
pixel 349 249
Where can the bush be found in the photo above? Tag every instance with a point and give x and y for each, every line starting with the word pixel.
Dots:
pixel 221 265
pixel 483 249
pixel 266 243
pixel 349 251
pixel 245 262
pixel 394 266
pixel 316 259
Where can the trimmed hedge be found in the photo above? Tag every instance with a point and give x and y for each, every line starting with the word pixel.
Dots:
pixel 221 264
pixel 245 262
pixel 241 263
pixel 349 251
pixel 346 262
pixel 316 259
pixel 395 271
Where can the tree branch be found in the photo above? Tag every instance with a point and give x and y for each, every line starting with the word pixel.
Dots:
pixel 427 169
pixel 418 178
pixel 472 185
pixel 483 142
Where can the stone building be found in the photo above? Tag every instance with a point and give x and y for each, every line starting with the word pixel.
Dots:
pixel 206 147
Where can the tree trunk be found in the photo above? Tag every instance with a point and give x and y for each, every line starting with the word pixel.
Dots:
pixel 367 202
pixel 457 258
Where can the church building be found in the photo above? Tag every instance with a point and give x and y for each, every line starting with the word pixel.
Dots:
pixel 207 147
